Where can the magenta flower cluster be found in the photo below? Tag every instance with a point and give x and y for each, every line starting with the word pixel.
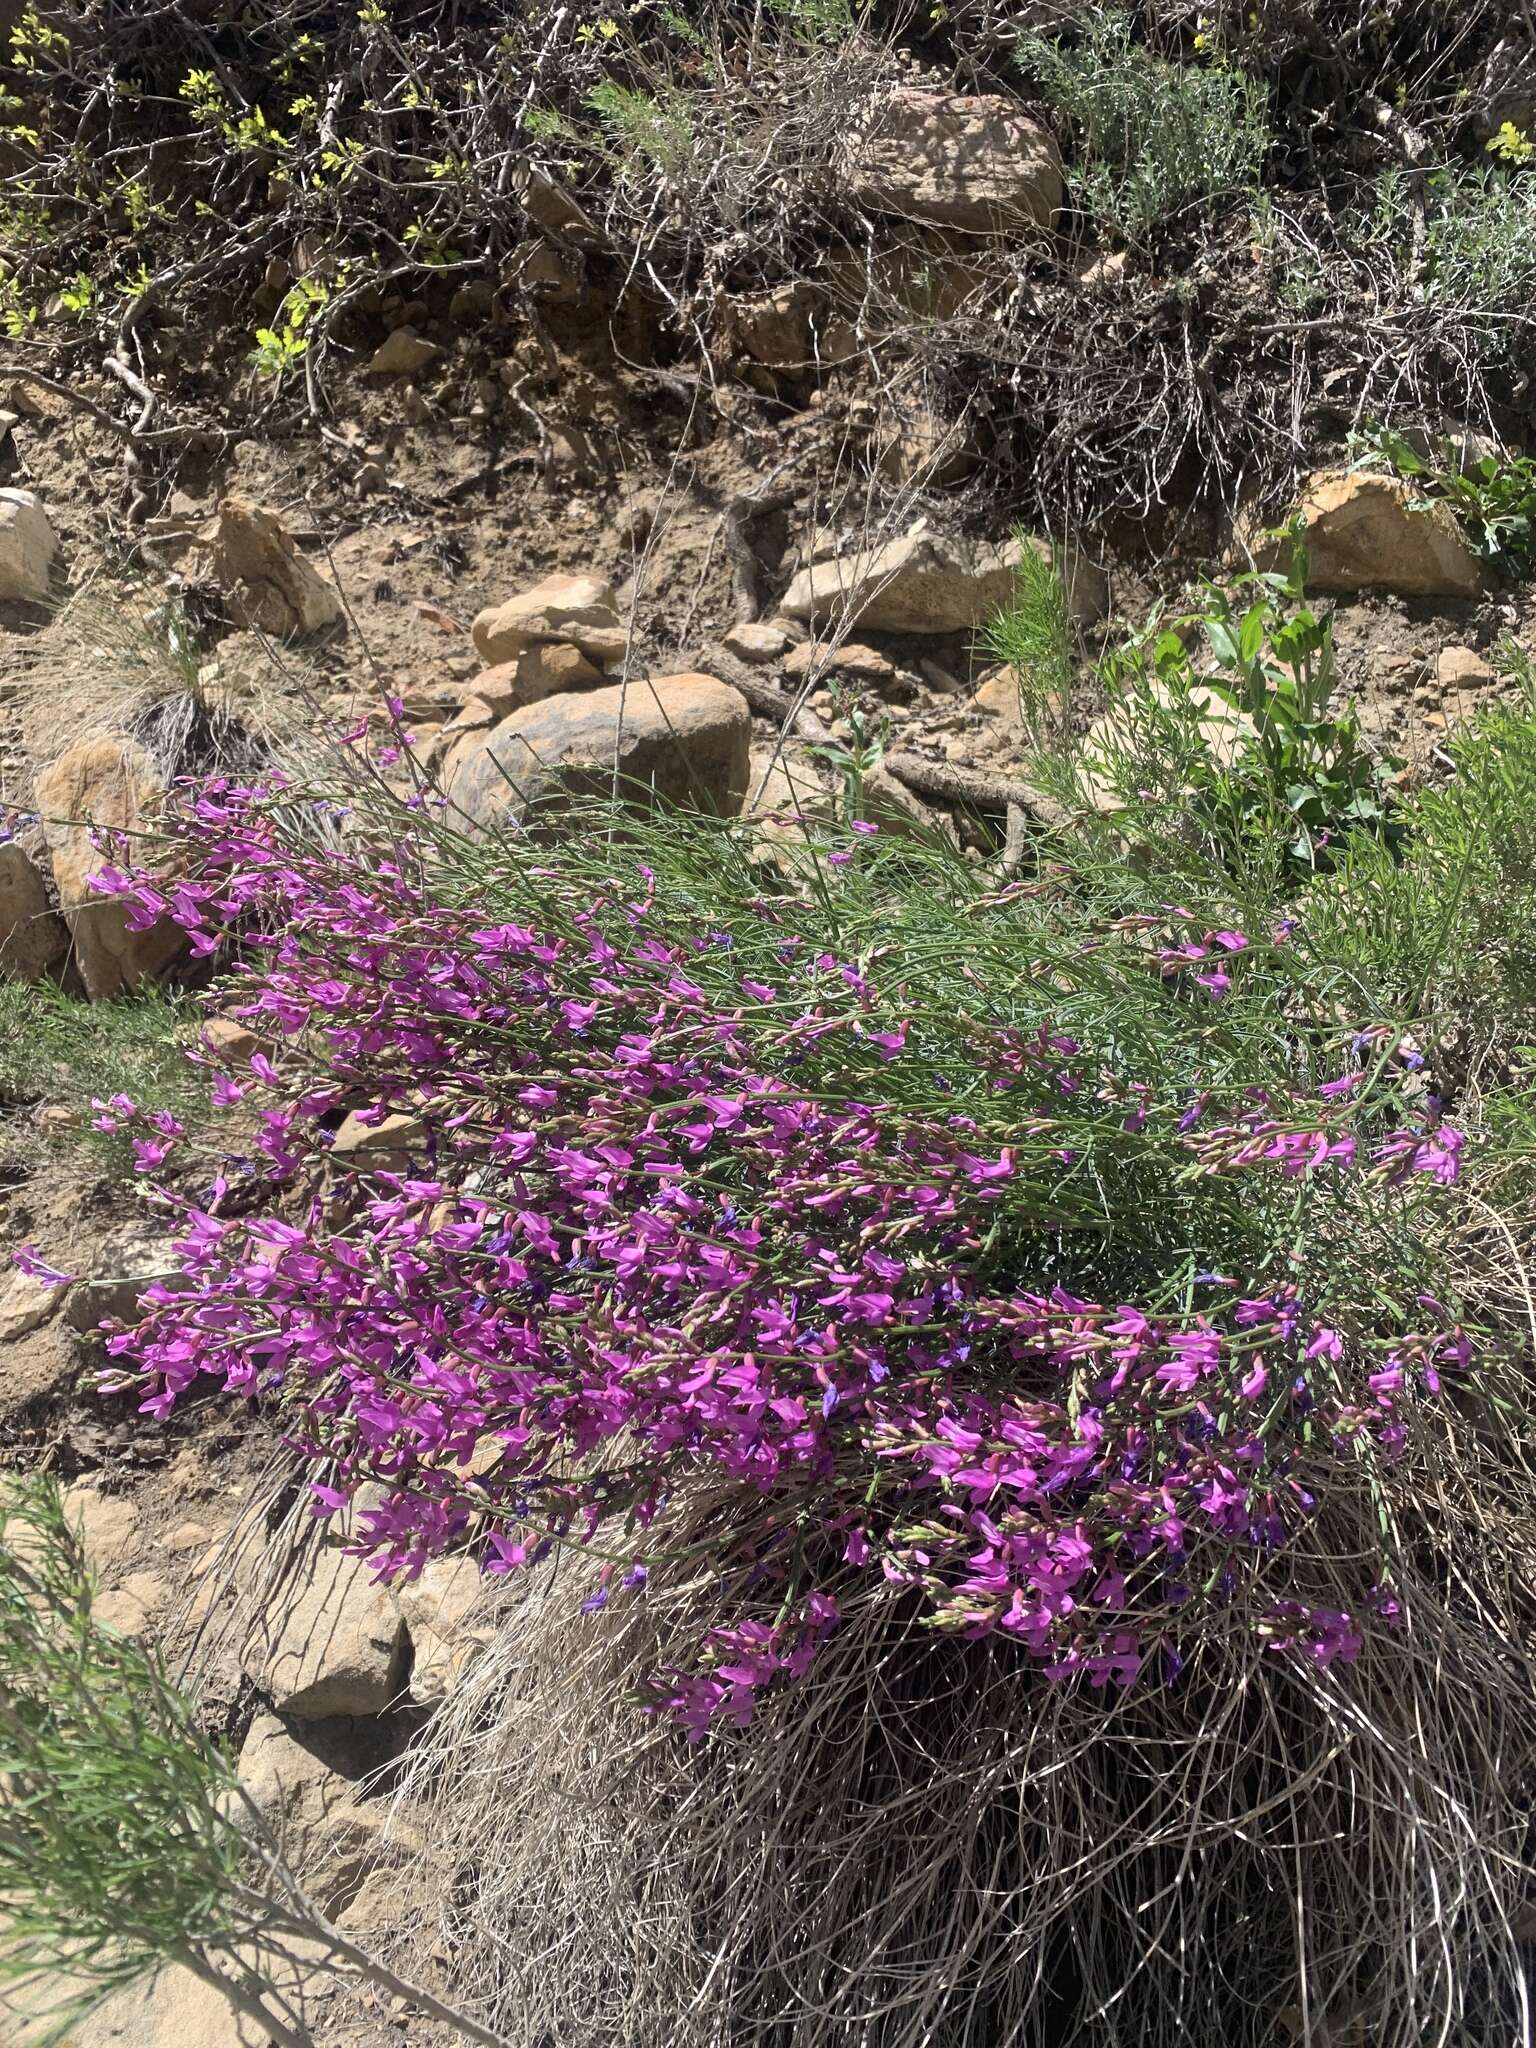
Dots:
pixel 634 1241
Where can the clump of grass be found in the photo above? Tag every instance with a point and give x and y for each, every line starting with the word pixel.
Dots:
pixel 56 1048
pixel 1155 140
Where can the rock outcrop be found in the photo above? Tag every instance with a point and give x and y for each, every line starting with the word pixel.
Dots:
pixel 33 937
pixel 437 1608
pixel 270 587
pixel 1365 532
pixel 26 1303
pixel 121 1268
pixel 581 610
pixel 402 354
pixel 928 582
pixel 332 1643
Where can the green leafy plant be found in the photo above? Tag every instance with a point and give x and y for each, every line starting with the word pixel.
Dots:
pixel 1228 712
pixel 430 246
pixel 1154 139
pixel 1493 496
pixel 36 44
pixel 283 345
pixel 854 760
pixel 80 296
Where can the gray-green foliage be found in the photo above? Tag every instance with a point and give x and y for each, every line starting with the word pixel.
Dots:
pixel 1475 257
pixel 822 21
pixel 115 1848
pixel 1154 139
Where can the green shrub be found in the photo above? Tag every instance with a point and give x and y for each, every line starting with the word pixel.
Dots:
pixel 125 1838
pixel 1222 729
pixel 114 1849
pixel 1154 139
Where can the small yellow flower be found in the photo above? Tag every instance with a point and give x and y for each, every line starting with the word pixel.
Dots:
pixel 607 28
pixel 1512 145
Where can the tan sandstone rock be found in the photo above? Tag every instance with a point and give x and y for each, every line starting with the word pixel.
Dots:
pixel 402 354
pixel 1367 532
pixel 853 659
pixel 121 1266
pixel 28 545
pixel 26 1303
pixel 1463 668
pixel 378 1147
pixel 581 610
pixel 107 1525
pixel 113 785
pixel 997 694
pixel 757 641
pixel 131 1607
pixel 33 937
pixel 333 1642
pixel 171 2009
pixel 684 738
pixel 972 163
pixel 931 583
pixel 271 587
pixel 439 1607
pixel 545 669
pixel 775 328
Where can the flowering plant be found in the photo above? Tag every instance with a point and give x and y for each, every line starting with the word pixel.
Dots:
pixel 1012 1295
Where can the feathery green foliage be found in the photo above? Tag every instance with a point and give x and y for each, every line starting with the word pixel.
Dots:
pixel 115 1849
